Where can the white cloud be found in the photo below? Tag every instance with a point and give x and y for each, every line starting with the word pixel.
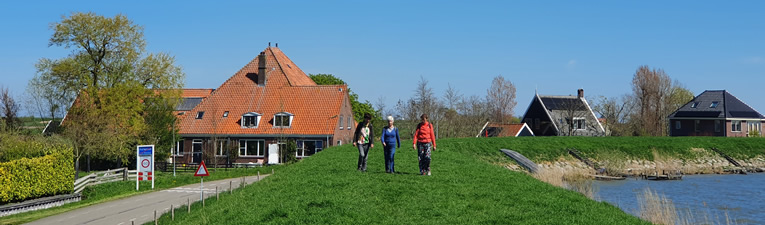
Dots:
pixel 571 63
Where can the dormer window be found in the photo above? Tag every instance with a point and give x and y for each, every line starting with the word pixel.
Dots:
pixel 225 114
pixel 283 119
pixel 694 104
pixel 250 120
pixel 200 114
pixel 713 105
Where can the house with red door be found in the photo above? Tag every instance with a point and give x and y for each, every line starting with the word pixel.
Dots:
pixel 263 105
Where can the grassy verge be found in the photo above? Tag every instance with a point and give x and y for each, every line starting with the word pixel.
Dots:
pixel 327 189
pixel 551 148
pixel 116 190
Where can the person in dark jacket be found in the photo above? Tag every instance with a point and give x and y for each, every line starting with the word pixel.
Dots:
pixel 424 140
pixel 363 139
pixel 390 142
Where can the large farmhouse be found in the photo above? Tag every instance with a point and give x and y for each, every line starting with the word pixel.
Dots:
pixel 562 116
pixel 716 113
pixel 270 100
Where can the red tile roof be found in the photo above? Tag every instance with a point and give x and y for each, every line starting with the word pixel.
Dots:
pixel 507 129
pixel 287 89
pixel 196 92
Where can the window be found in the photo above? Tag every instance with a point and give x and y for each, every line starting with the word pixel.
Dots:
pixel 307 148
pixel 339 142
pixel 579 123
pixel 220 149
pixel 718 125
pixel 250 120
pixel 735 126
pixel 349 123
pixel 677 125
pixel 755 127
pixel 252 148
pixel 283 119
pixel 179 148
pixel 694 104
pixel 200 114
pixel 713 105
pixel 341 122
pixel 697 125
pixel 225 114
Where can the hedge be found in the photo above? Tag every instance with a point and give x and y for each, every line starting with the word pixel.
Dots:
pixel 29 178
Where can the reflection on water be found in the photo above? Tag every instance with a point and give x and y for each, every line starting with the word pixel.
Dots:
pixel 707 197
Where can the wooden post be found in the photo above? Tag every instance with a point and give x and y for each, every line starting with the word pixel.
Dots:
pixel 172 212
pixel 188 203
pixel 272 171
pixel 217 195
pixel 230 187
pixel 155 217
pixel 258 174
pixel 124 174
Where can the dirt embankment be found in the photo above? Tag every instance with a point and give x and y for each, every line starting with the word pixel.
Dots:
pixel 702 164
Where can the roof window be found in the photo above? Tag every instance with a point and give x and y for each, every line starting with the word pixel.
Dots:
pixel 694 104
pixel 283 119
pixel 713 105
pixel 200 114
pixel 250 120
pixel 225 114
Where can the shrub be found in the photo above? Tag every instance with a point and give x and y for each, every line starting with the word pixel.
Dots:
pixel 26 176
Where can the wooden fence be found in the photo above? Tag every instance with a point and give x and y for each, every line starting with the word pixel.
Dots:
pixel 120 174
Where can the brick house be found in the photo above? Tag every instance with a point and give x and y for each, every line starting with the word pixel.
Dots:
pixel 268 101
pixel 716 113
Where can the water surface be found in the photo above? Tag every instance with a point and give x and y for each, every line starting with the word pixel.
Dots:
pixel 707 197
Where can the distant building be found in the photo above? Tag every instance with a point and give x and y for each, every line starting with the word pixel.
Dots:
pixel 505 130
pixel 270 100
pixel 716 113
pixel 562 116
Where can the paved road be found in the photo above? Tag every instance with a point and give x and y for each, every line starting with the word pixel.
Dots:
pixel 140 208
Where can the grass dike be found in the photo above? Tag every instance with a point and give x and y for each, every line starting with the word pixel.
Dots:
pixel 465 188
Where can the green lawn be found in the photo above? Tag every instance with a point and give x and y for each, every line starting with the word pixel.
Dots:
pixel 327 189
pixel 116 190
pixel 551 148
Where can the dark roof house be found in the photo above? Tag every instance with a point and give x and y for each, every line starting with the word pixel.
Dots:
pixel 549 115
pixel 716 113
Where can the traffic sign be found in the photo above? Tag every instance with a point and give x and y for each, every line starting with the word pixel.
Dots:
pixel 144 164
pixel 202 170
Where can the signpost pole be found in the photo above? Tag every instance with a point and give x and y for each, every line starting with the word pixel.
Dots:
pixel 153 174
pixel 137 168
pixel 201 193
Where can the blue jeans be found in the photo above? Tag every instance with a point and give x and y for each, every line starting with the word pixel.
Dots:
pixel 389 150
pixel 363 155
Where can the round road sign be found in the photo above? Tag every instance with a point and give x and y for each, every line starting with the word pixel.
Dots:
pixel 145 163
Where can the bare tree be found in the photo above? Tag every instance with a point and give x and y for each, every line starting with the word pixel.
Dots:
pixel 616 112
pixel 9 109
pixel 501 99
pixel 656 96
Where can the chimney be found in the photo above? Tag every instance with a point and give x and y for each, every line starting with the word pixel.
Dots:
pixel 262 69
pixel 580 93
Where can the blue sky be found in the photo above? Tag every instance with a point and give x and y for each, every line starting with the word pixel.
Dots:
pixel 382 48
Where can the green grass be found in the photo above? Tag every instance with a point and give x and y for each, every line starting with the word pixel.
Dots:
pixel 327 189
pixel 551 148
pixel 121 189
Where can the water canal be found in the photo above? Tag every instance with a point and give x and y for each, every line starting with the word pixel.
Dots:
pixel 707 197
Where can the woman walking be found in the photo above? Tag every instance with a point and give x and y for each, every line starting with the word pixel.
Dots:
pixel 424 139
pixel 364 141
pixel 390 141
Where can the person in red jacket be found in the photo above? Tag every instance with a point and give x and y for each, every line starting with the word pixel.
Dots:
pixel 424 139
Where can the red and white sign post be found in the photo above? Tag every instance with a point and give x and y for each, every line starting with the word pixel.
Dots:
pixel 202 173
pixel 145 164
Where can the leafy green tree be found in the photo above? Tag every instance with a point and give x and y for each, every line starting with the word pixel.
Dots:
pixel 109 73
pixel 358 108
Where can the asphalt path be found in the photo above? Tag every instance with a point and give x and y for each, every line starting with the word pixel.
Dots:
pixel 140 209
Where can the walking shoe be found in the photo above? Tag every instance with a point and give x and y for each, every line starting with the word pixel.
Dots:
pixel 428 172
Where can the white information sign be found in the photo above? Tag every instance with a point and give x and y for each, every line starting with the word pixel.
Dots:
pixel 144 164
